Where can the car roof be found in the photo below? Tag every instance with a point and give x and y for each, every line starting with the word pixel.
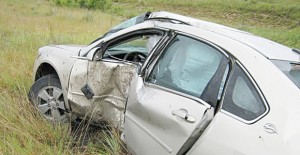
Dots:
pixel 267 48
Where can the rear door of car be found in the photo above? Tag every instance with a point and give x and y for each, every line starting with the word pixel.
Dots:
pixel 170 106
pixel 238 126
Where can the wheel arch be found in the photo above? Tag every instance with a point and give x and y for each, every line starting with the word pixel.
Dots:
pixel 45 69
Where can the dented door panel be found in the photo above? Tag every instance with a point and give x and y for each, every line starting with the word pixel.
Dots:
pixel 108 81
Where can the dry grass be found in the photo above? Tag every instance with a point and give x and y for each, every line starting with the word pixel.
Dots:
pixel 27 25
pixel 24 27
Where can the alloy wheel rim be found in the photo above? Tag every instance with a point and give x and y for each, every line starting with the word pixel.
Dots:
pixel 50 103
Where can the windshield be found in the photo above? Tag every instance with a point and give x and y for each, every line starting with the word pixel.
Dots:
pixel 125 24
pixel 290 69
pixel 130 22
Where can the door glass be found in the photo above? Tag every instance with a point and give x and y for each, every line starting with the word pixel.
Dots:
pixel 187 66
pixel 241 97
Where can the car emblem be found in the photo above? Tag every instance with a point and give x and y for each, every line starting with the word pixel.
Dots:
pixel 270 128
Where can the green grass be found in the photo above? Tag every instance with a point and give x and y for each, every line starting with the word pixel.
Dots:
pixel 27 25
pixel 273 19
pixel 24 27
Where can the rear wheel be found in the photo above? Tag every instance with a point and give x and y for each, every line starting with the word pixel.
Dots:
pixel 47 96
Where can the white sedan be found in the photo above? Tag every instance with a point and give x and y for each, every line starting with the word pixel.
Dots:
pixel 177 85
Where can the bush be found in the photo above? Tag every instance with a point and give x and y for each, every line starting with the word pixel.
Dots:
pixel 90 4
pixel 99 4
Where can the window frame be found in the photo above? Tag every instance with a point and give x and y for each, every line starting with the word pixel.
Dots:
pixel 122 39
pixel 149 68
pixel 257 89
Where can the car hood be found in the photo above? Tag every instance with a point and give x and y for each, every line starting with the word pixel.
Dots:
pixel 59 51
pixel 75 49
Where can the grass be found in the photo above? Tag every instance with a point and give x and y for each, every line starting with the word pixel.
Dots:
pixel 273 19
pixel 27 25
pixel 24 27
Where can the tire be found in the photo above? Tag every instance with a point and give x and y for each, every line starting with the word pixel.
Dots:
pixel 47 96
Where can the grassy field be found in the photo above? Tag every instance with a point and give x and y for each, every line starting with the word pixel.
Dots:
pixel 27 25
pixel 273 19
pixel 24 27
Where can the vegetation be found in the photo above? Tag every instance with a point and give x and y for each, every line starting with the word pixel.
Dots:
pixel 273 19
pixel 27 25
pixel 90 4
pixel 24 27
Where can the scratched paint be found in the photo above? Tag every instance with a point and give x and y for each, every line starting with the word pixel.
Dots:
pixel 110 83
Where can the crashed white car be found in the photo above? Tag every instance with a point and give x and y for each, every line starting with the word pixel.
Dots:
pixel 177 85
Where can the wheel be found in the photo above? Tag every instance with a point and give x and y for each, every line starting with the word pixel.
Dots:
pixel 47 96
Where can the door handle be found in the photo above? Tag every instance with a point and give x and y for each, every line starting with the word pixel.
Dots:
pixel 182 113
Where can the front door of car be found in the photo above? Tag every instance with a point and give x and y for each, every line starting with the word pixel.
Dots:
pixel 170 106
pixel 98 88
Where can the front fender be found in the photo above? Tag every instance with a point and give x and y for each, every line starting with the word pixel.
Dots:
pixel 60 59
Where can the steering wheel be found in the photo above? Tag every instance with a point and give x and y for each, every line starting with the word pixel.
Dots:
pixel 137 56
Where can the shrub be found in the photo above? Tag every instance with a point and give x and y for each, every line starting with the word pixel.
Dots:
pixel 90 4
pixel 99 4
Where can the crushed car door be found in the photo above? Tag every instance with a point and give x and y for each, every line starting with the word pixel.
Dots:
pixel 98 89
pixel 169 107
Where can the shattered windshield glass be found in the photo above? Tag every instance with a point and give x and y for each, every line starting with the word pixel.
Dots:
pixel 290 69
pixel 129 23
pixel 125 24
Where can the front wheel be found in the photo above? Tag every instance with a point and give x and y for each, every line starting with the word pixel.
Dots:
pixel 47 96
